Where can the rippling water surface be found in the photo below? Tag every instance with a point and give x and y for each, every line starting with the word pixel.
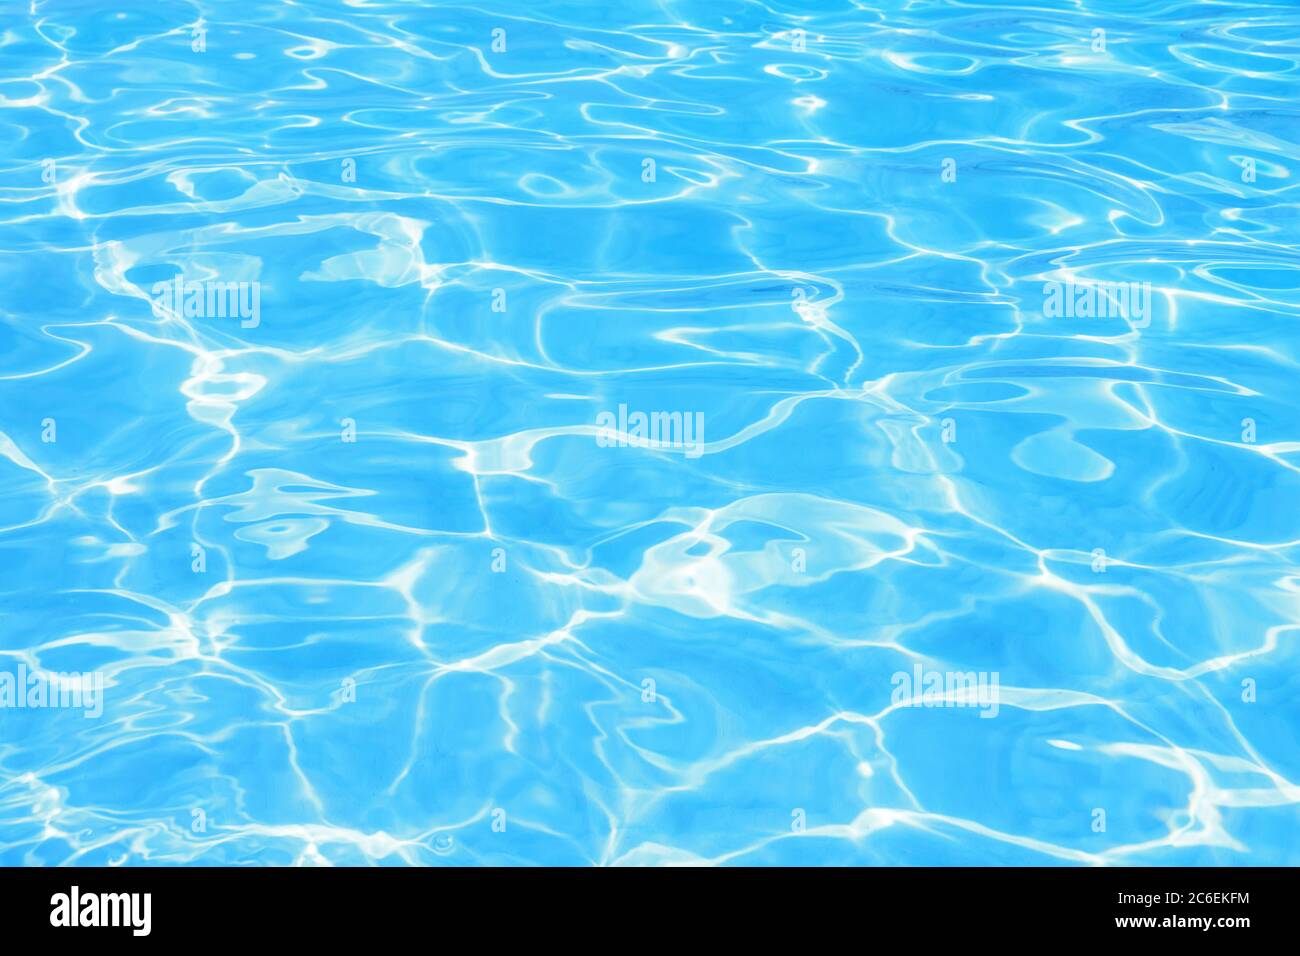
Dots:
pixel 376 570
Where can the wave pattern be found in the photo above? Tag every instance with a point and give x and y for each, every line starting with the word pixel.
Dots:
pixel 374 567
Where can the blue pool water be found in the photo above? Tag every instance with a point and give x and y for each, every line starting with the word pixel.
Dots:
pixel 359 549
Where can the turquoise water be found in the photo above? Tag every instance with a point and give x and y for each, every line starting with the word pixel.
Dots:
pixel 631 433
